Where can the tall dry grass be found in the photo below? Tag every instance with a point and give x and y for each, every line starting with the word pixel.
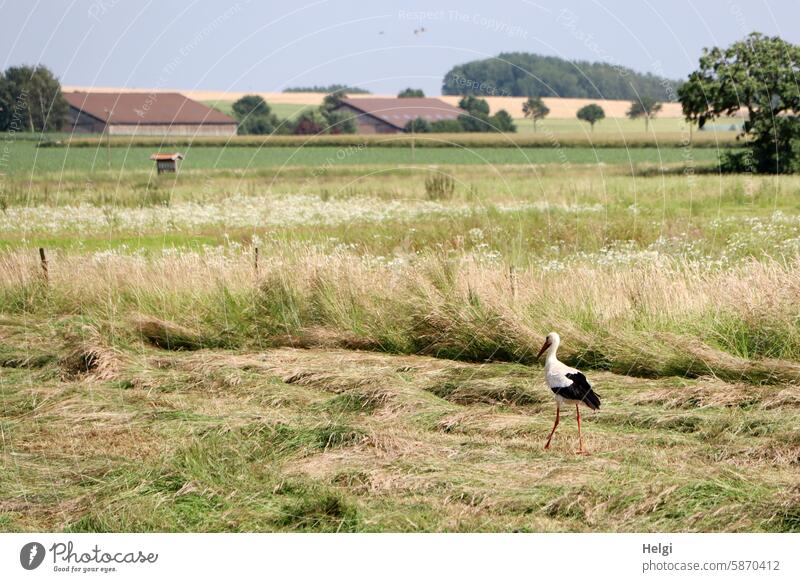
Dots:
pixel 655 318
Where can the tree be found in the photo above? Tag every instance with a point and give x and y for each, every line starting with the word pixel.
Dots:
pixel 535 108
pixel 410 93
pixel 310 122
pixel 446 126
pixel 758 75
pixel 31 100
pixel 477 118
pixel 332 102
pixel 502 121
pixel 250 105
pixel 646 107
pixel 591 113
pixel 339 121
pixel 326 89
pixel 255 116
pixel 336 119
pixel 474 105
pixel 418 125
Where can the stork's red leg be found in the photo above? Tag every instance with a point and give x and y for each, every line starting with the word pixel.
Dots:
pixel 549 438
pixel 580 438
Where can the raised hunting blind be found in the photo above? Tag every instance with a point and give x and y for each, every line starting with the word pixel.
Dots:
pixel 167 163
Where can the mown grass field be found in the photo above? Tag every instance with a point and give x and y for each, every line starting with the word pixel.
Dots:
pixel 370 367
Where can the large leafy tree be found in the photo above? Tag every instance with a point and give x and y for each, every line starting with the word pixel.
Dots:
pixel 759 75
pixel 332 101
pixel 336 120
pixel 31 100
pixel 255 116
pixel 535 108
pixel 647 107
pixel 591 114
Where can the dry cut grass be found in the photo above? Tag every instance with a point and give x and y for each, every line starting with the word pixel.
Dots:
pixel 662 317
pixel 339 440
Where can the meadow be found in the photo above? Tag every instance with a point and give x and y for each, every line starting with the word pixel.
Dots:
pixel 301 344
pixel 282 110
pixel 30 160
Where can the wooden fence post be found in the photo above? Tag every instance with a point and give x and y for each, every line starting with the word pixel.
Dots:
pixel 43 260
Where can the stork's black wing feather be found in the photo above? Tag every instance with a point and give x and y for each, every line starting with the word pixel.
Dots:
pixel 580 389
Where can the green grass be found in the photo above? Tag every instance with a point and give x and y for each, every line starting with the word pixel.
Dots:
pixel 27 159
pixel 374 371
pixel 222 441
pixel 282 110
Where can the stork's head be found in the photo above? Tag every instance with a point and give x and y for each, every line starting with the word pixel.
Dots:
pixel 550 343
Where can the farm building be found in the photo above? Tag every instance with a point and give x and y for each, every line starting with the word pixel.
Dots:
pixel 390 115
pixel 144 114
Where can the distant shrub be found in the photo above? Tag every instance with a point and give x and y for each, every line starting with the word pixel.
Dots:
pixel 446 126
pixel 418 125
pixel 439 187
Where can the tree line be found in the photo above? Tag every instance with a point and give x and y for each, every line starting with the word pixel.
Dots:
pixel 532 75
pixel 334 88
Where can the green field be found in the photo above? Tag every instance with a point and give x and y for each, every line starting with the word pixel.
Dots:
pixel 29 160
pixel 331 338
pixel 282 110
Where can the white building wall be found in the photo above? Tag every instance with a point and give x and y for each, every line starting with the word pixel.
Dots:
pixel 187 130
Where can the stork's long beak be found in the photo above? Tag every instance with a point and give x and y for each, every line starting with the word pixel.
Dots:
pixel 544 347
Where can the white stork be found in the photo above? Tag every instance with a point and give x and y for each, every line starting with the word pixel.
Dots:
pixel 568 385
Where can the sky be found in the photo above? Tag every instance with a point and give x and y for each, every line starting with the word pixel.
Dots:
pixel 381 45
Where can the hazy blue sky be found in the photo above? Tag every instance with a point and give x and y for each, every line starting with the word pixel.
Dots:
pixel 266 46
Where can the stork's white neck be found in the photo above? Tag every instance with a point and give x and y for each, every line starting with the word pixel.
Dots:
pixel 551 351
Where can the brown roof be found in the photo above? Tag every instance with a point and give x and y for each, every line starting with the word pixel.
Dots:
pixel 399 111
pixel 146 108
pixel 166 157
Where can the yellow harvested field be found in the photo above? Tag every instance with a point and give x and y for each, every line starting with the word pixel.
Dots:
pixel 563 108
